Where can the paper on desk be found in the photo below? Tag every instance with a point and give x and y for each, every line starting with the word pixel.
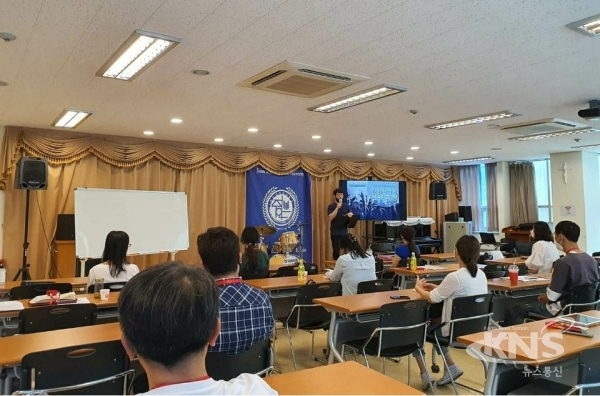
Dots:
pixel 526 278
pixel 82 300
pixel 11 306
pixel 431 267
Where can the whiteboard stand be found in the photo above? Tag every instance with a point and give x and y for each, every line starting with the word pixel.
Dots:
pixel 82 266
pixel 172 255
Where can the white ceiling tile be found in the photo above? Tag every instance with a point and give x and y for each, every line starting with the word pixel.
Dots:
pixel 272 27
pixel 243 10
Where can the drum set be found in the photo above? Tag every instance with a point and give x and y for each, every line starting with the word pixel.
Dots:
pixel 281 251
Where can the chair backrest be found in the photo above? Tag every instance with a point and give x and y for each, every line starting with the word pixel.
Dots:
pixel 589 370
pixel 75 365
pixel 493 271
pixel 478 308
pixel 56 317
pixel 581 298
pixel 32 282
pixel 403 314
pixel 382 247
pixel 379 265
pixel 312 315
pixel 311 269
pixel 31 291
pixel 113 286
pixel 374 286
pixel 257 359
pixel 287 270
pixel 523 248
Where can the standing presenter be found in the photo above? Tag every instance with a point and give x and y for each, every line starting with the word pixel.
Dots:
pixel 338 213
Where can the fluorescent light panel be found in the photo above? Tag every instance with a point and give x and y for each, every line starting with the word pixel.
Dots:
pixel 473 120
pixel 468 160
pixel 588 146
pixel 71 118
pixel 588 26
pixel 136 54
pixel 577 131
pixel 368 95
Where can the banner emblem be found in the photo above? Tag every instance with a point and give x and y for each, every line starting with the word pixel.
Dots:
pixel 281 207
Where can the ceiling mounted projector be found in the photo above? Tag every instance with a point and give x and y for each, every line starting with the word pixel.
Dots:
pixel 593 113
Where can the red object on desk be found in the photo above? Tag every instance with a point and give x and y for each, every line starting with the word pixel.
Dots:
pixel 557 324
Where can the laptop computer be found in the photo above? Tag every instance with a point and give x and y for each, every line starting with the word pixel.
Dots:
pixel 487 238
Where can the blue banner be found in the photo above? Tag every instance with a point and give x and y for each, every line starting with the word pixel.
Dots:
pixel 284 203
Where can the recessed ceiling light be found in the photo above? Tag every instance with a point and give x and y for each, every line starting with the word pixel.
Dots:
pixel 201 72
pixel 368 95
pixel 368 143
pixel 136 54
pixel 327 150
pixel 218 140
pixel 371 155
pixel 277 145
pixel 70 118
pixel 473 120
pixel 176 120
pixel 316 137
pixel 3 83
pixel 414 148
pixel 576 131
pixel 468 160
pixel 454 152
pixel 252 130
pixel 409 158
pixel 148 133
pixel 588 26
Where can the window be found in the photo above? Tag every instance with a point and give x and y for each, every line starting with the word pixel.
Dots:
pixel 483 202
pixel 543 189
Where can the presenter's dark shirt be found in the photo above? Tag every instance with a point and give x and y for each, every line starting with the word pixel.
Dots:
pixel 336 228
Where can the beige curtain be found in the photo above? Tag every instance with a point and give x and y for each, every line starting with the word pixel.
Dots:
pixel 214 181
pixel 523 202
pixel 492 197
pixel 470 180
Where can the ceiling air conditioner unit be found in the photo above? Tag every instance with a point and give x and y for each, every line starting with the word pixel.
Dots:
pixel 548 125
pixel 298 79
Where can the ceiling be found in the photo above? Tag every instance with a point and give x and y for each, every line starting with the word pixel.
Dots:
pixel 458 58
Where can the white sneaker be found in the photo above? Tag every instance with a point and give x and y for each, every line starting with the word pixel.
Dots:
pixel 426 381
pixel 456 373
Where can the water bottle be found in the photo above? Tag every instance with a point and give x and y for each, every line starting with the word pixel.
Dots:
pixel 2 273
pixel 413 262
pixel 301 272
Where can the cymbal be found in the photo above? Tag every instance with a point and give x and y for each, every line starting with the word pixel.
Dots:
pixel 264 230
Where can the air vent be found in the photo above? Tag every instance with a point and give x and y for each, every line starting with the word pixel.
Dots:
pixel 297 79
pixel 541 126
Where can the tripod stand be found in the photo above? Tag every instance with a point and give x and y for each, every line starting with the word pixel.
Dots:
pixel 299 247
pixel 24 270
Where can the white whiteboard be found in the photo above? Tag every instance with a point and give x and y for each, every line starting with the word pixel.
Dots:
pixel 156 221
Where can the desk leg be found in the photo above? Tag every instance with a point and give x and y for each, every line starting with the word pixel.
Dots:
pixel 333 352
pixel 490 380
pixel 403 282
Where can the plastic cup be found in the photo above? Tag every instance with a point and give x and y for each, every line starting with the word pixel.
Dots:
pixel 513 275
pixel 104 294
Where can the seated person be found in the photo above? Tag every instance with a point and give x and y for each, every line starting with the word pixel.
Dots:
pixel 255 262
pixel 169 315
pixel 467 281
pixel 405 250
pixel 246 313
pixel 574 269
pixel 353 266
pixel 543 251
pixel 114 268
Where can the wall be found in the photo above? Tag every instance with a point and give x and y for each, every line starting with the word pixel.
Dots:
pixel 503 189
pixel 1 203
pixel 591 192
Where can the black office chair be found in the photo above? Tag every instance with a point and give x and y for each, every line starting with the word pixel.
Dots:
pixel 379 267
pixel 112 286
pixel 287 270
pixel 56 317
pixel 378 285
pixel 100 368
pixel 581 298
pixel 383 247
pixel 493 271
pixel 308 316
pixel 31 291
pixel 469 315
pixel 401 331
pixel 311 269
pixel 588 379
pixel 523 248
pixel 258 359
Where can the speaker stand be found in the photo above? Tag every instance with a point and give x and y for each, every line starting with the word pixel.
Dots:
pixel 24 270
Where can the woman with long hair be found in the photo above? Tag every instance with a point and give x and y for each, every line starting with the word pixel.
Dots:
pixel 255 262
pixel 543 251
pixel 467 281
pixel 353 266
pixel 405 250
pixel 114 267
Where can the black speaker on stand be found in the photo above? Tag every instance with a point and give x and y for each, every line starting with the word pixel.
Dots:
pixel 437 192
pixel 32 174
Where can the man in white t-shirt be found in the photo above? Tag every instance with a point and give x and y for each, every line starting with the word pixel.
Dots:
pixel 169 315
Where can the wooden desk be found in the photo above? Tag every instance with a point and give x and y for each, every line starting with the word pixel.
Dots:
pixel 505 286
pixel 356 304
pixel 348 378
pixel 508 261
pixel 597 258
pixel 491 345
pixel 437 257
pixel 512 233
pixel 79 284
pixel 113 299
pixel 431 274
pixel 331 263
pixel 285 286
pixel 14 349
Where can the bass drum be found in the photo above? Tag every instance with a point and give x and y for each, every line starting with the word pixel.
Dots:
pixel 281 260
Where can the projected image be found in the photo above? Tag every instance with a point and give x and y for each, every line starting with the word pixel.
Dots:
pixel 374 200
